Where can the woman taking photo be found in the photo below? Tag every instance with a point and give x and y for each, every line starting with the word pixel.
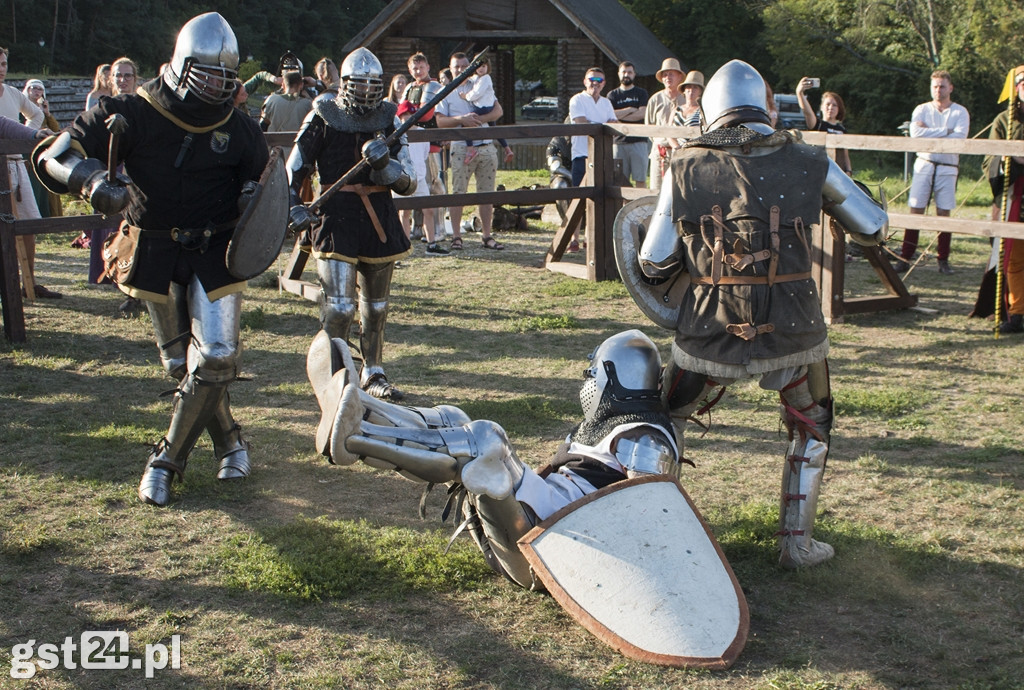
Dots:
pixel 830 119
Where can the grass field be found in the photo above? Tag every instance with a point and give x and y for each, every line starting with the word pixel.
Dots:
pixel 313 576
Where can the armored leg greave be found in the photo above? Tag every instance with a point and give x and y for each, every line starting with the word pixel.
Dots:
pixel 228 445
pixel 438 445
pixel 201 398
pixel 688 395
pixel 172 327
pixel 338 280
pixel 374 294
pixel 194 404
pixel 338 308
pixel 807 414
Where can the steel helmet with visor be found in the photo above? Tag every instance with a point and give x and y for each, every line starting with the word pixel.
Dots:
pixel 205 61
pixel 362 81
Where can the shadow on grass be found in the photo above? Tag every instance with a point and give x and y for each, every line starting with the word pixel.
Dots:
pixel 892 605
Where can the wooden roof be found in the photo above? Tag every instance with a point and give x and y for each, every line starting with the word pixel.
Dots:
pixel 609 25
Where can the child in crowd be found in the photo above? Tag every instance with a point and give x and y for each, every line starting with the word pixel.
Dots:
pixel 479 91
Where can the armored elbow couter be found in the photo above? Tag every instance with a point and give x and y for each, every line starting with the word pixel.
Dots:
pixel 63 168
pixel 399 173
pixel 853 207
pixel 661 253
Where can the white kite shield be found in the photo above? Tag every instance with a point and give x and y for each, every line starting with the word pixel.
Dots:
pixel 636 565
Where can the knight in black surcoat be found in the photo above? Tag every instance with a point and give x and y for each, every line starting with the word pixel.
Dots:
pixel 191 162
pixel 359 237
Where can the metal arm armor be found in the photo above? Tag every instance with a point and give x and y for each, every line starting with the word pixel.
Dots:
pixel 866 222
pixel 477 454
pixel 399 175
pixel 63 166
pixel 642 450
pixel 661 254
pixel 298 169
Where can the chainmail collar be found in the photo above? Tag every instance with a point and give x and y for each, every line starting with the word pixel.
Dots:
pixel 336 117
pixel 736 137
pixel 611 413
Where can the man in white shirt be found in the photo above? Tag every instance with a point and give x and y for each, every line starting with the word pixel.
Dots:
pixel 935 174
pixel 587 106
pixel 455 111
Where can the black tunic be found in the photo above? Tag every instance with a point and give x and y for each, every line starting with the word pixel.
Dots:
pixel 347 232
pixel 187 162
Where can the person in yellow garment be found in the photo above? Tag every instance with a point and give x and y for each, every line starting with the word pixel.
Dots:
pixel 1007 189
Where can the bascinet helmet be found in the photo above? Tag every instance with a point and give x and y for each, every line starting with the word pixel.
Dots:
pixel 290 62
pixel 735 95
pixel 205 60
pixel 624 368
pixel 362 81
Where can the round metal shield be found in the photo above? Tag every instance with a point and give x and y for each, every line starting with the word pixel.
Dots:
pixel 660 303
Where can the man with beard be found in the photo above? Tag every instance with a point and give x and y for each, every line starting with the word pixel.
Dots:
pixel 630 104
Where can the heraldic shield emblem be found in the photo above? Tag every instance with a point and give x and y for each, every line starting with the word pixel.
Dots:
pixel 658 301
pixel 260 232
pixel 636 565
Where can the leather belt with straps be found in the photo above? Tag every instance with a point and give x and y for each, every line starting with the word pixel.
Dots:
pixel 364 191
pixel 712 230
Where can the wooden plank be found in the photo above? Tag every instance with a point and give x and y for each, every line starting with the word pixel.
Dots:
pixel 296 262
pixel 10 285
pixel 870 305
pixel 302 288
pixel 600 246
pixel 567 268
pixel 867 142
pixel 27 279
pixel 510 197
pixel 46 226
pixel 573 216
pixel 963 226
pixel 892 280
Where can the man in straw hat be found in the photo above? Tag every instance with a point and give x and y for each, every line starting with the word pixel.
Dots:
pixel 1004 176
pixel 659 112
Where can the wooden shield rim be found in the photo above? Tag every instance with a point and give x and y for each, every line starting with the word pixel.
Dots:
pixel 644 295
pixel 275 161
pixel 602 632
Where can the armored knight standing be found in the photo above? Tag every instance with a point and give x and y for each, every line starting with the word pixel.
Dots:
pixel 736 219
pixel 189 155
pixel 360 236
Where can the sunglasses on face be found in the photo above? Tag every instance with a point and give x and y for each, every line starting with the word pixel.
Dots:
pixel 595 80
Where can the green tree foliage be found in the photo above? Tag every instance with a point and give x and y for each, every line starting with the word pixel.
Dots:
pixel 879 55
pixel 705 34
pixel 537 63
pixel 79 34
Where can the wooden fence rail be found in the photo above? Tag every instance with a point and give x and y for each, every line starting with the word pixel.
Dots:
pixel 592 205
